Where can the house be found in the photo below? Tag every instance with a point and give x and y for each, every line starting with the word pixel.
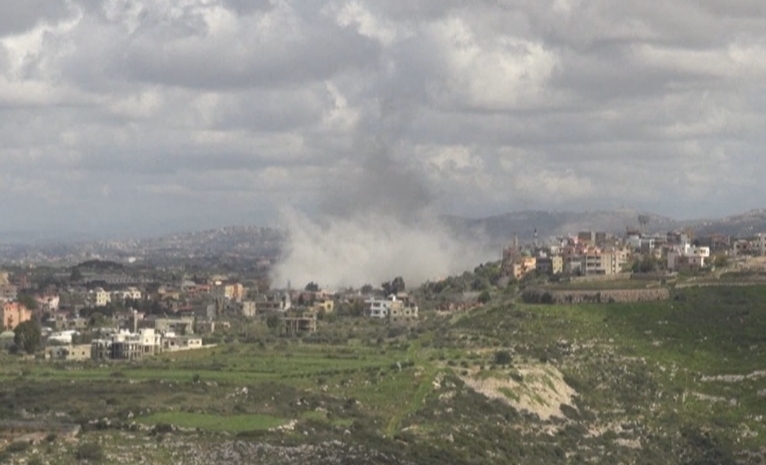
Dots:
pixel 183 326
pixel 550 265
pixel 323 305
pixel 48 303
pixel 235 291
pixel 173 343
pixel 687 257
pixel 297 323
pixel 125 345
pixel 392 308
pixel 381 308
pixel 523 266
pixel 99 297
pixel 14 313
pixel 132 293
pixel 68 352
pixel 8 292
pixel 249 309
pixel 62 337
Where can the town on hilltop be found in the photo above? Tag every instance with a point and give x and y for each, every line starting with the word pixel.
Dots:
pixel 104 310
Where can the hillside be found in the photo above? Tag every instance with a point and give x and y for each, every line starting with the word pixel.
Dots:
pixel 675 382
pixel 252 242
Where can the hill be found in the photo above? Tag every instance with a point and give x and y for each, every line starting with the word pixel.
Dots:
pixel 677 382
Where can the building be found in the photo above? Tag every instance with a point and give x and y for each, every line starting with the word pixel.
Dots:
pixel 132 293
pixel 14 313
pixel 550 265
pixel 523 266
pixel 173 343
pixel 687 257
pixel 8 292
pixel 392 308
pixel 48 303
pixel 249 309
pixel 324 305
pixel 127 346
pixel 381 308
pixel 299 323
pixel 99 297
pixel 68 352
pixel 760 243
pixel 234 292
pixel 182 325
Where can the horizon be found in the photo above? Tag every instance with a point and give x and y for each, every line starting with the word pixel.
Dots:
pixel 43 238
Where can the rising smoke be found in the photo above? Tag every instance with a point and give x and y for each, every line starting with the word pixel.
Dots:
pixel 378 223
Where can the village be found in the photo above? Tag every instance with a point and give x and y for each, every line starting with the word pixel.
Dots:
pixel 106 311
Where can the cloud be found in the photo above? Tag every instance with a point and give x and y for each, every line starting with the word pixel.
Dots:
pixel 199 105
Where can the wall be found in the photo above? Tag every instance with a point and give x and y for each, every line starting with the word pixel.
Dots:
pixel 594 296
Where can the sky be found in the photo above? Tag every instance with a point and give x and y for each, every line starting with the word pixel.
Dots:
pixel 137 116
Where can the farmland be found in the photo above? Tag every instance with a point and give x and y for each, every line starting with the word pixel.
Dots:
pixel 679 381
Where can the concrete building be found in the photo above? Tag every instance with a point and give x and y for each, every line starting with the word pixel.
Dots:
pixel 381 308
pixel 299 323
pixel 760 243
pixel 182 325
pixel 173 343
pixel 249 309
pixel 8 292
pixel 550 265
pixel 687 257
pixel 127 346
pixel 130 293
pixel 99 297
pixel 234 292
pixel 68 352
pixel 14 313
pixel 391 308
pixel 523 266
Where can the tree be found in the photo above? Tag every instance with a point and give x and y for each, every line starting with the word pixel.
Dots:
pixel 28 336
pixel 484 297
pixel 312 287
pixel 272 321
pixel 394 287
pixel 28 301
pixel 76 274
pixel 502 357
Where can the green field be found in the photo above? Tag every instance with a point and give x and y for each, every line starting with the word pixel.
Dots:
pixel 677 381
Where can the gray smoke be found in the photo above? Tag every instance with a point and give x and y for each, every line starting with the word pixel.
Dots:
pixel 377 222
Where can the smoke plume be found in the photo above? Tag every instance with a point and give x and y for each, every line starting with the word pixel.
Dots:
pixel 376 223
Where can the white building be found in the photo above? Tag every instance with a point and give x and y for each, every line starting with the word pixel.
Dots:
pixel 687 256
pixel 100 298
pixel 380 308
pixel 129 293
pixel 760 243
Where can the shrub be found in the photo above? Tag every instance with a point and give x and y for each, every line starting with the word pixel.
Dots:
pixel 89 452
pixel 18 446
pixel 502 357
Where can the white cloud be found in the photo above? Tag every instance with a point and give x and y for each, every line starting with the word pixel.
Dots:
pixel 486 107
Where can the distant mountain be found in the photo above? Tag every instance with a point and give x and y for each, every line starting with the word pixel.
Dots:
pixel 743 225
pixel 201 247
pixel 246 244
pixel 499 230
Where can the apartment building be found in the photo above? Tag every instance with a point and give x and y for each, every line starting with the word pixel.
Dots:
pixel 13 314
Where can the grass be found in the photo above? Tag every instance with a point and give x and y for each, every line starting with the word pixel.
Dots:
pixel 638 365
pixel 210 422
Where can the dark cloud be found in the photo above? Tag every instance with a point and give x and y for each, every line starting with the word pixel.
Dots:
pixel 18 17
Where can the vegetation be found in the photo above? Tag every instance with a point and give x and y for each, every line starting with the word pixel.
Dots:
pixel 28 336
pixel 676 382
